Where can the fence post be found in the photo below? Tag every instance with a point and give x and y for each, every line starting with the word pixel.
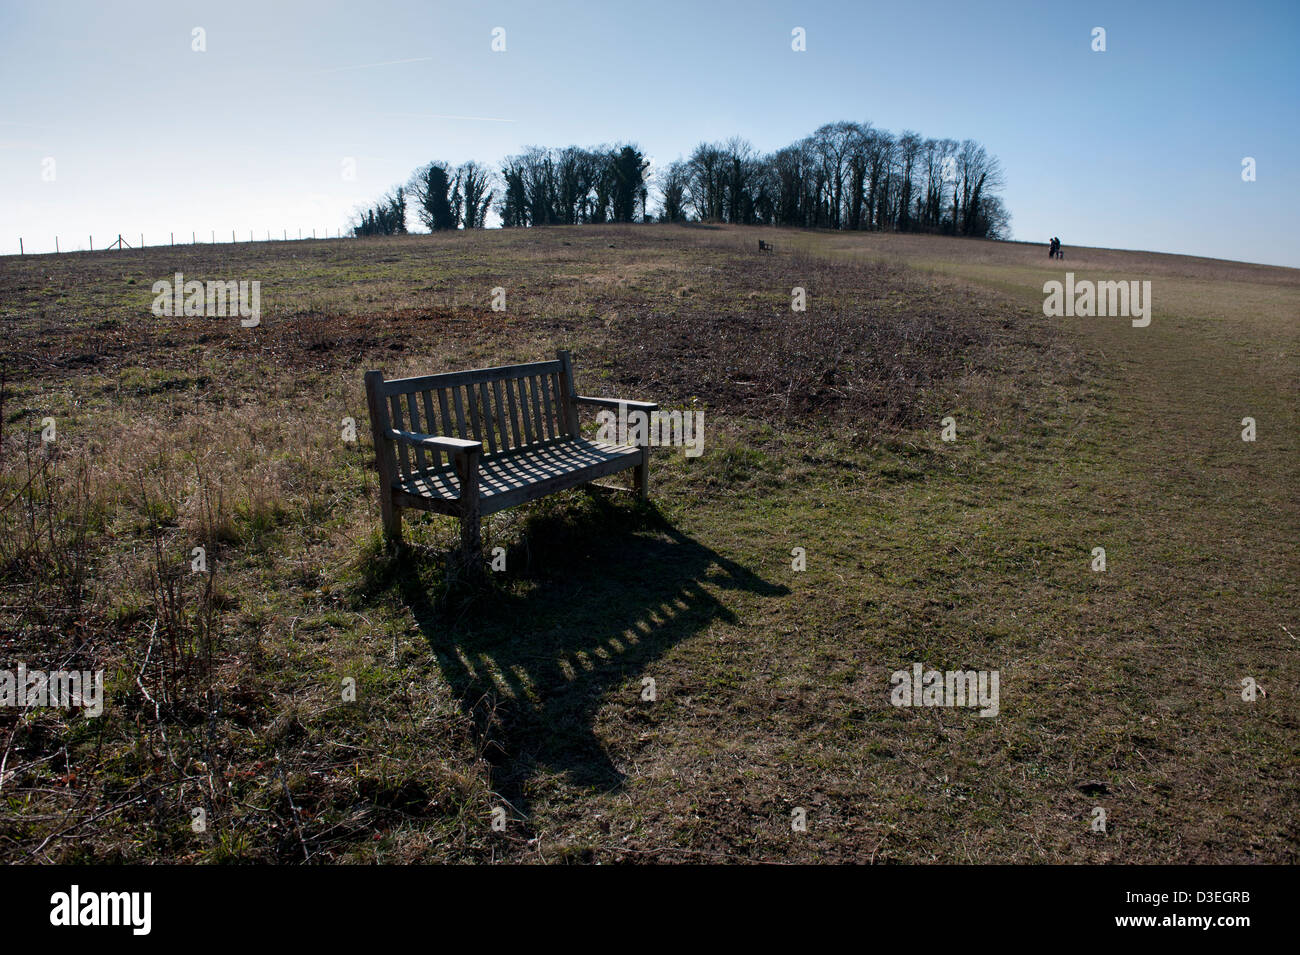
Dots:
pixel 56 244
pixel 20 245
pixel 92 243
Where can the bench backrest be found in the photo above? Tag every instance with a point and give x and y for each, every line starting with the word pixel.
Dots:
pixel 507 407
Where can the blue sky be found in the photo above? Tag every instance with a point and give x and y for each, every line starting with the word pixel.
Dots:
pixel 1138 147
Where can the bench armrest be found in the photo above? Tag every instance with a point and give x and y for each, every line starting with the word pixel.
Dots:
pixel 617 402
pixel 436 443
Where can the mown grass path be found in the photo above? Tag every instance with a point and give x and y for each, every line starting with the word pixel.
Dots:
pixel 1120 690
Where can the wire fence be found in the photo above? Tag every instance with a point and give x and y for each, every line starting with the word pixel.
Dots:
pixel 121 242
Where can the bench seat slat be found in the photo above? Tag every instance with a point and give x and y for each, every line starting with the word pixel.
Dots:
pixel 512 477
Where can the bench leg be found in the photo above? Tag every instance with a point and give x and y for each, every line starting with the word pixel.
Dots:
pixel 471 541
pixel 471 537
pixel 392 517
pixel 641 475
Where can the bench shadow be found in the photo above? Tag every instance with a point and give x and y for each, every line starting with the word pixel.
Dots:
pixel 610 591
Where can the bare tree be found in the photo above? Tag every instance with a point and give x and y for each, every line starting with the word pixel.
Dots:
pixel 834 142
pixel 909 151
pixel 673 183
pixel 474 181
pixel 707 190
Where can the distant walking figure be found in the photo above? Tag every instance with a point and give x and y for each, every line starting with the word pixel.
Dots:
pixel 1051 247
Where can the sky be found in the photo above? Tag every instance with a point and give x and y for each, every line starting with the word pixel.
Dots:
pixel 296 114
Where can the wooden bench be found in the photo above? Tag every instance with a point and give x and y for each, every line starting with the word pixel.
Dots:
pixel 469 443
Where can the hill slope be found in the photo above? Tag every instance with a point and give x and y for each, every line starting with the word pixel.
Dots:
pixel 1119 689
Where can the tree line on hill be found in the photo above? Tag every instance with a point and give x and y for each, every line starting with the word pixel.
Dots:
pixel 843 176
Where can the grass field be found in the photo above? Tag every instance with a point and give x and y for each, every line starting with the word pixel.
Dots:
pixel 526 693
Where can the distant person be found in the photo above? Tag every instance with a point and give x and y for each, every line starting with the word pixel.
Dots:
pixel 1051 248
pixel 1060 253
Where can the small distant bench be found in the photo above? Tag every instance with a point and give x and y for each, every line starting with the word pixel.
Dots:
pixel 470 443
pixel 764 246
